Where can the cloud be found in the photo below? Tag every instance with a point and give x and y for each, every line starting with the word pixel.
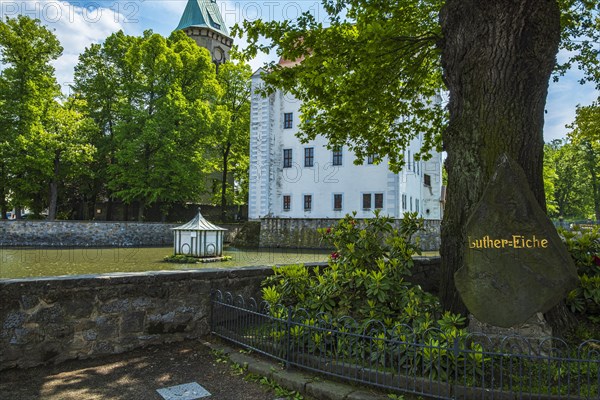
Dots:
pixel 160 16
pixel 237 11
pixel 563 98
pixel 76 25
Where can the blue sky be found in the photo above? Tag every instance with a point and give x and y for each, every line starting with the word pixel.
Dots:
pixel 80 23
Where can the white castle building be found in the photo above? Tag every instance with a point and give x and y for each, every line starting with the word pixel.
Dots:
pixel 289 179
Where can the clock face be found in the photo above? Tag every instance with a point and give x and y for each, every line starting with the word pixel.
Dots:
pixel 218 54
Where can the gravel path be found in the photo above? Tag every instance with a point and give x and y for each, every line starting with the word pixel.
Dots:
pixel 133 376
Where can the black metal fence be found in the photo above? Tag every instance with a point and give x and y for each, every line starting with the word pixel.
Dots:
pixel 440 364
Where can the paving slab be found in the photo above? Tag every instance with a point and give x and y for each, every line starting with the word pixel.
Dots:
pixel 186 391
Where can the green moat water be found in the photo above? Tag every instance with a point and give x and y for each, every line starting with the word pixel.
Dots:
pixel 36 262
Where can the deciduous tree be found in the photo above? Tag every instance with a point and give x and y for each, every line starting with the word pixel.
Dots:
pixel 367 81
pixel 585 135
pixel 66 139
pixel 99 77
pixel 153 100
pixel 569 188
pixel 28 89
pixel 231 131
pixel 158 155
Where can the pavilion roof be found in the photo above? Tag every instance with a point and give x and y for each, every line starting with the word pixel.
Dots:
pixel 199 223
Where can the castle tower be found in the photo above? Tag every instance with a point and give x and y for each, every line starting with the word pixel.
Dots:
pixel 202 21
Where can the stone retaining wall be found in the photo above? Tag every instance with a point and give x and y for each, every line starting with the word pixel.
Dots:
pixel 49 320
pixel 92 234
pixel 302 233
pixel 269 232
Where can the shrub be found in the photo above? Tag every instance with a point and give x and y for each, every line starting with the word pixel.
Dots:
pixel 365 277
pixel 584 247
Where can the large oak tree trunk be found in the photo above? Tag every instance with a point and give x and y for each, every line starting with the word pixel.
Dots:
pixel 497 57
pixel 3 190
pixel 53 203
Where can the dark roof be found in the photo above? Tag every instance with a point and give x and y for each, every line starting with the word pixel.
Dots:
pixel 203 14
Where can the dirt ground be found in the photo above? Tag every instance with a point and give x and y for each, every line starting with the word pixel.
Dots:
pixel 133 376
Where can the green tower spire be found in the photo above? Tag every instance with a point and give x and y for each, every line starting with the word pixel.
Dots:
pixel 202 21
pixel 203 14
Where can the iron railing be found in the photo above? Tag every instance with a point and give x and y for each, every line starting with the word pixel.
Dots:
pixel 428 363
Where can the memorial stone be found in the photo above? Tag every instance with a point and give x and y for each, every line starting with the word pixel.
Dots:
pixel 515 263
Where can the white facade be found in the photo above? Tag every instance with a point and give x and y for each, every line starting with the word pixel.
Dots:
pixel 283 183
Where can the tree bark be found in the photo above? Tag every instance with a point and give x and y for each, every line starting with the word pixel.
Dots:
pixel 109 207
pixel 3 189
pixel 497 58
pixel 141 209
pixel 53 203
pixel 224 182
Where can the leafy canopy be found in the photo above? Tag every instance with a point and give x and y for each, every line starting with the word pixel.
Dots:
pixel 580 22
pixel 28 89
pixel 355 81
pixel 370 79
pixel 585 135
pixel 566 181
pixel 152 99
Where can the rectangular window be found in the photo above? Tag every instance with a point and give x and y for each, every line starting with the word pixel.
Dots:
pixel 404 202
pixel 337 202
pixel 309 156
pixel 370 159
pixel 378 200
pixel 287 202
pixel 411 204
pixel 287 158
pixel 337 156
pixel 366 201
pixel 427 180
pixel 288 119
pixel 307 202
pixel 417 205
pixel 408 160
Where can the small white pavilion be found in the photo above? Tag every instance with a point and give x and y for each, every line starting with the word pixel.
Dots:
pixel 199 238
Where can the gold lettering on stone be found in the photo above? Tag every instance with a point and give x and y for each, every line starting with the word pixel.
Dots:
pixel 515 242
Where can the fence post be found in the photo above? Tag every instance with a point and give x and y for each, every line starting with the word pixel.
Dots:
pixel 456 351
pixel 288 344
